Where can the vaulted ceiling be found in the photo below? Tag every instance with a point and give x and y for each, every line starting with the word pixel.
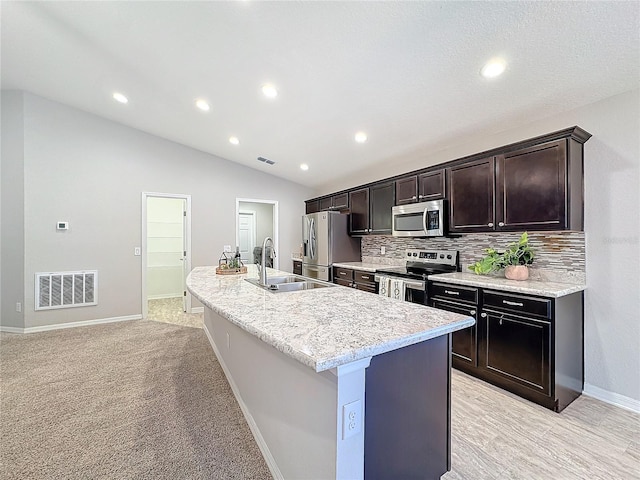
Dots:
pixel 405 73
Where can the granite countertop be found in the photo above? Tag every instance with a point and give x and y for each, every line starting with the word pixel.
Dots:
pixel 366 267
pixel 531 287
pixel 322 328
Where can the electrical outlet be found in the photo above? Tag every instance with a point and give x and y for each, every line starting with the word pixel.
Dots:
pixel 18 307
pixel 228 341
pixel 227 248
pixel 351 419
pixel 383 250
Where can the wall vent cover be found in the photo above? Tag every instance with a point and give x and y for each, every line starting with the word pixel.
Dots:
pixel 66 289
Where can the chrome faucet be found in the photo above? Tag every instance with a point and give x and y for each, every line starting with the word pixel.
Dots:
pixel 262 267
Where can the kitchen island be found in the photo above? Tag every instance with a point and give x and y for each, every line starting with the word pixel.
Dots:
pixel 334 382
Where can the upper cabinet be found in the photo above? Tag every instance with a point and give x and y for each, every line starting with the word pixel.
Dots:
pixel 338 202
pixel 536 184
pixel 533 188
pixel 472 196
pixel 420 188
pixel 370 209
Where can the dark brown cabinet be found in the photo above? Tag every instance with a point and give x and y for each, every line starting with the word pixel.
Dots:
pixel 297 267
pixel 532 186
pixel 382 196
pixel 359 217
pixel 472 196
pixel 535 184
pixel 371 209
pixel 312 206
pixel 463 300
pixel 531 346
pixel 355 279
pixel 420 188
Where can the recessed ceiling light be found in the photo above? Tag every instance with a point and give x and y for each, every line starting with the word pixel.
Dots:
pixel 493 68
pixel 118 97
pixel 304 166
pixel 361 137
pixel 269 91
pixel 234 140
pixel 202 105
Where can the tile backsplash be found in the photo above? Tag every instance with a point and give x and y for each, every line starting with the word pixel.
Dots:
pixel 559 256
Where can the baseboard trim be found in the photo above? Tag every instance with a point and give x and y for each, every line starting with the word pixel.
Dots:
pixel 162 297
pixel 612 398
pixel 255 430
pixel 197 310
pixel 59 326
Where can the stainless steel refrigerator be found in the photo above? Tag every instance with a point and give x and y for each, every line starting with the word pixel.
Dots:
pixel 326 240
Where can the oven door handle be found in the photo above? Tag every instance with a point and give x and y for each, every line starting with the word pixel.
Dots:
pixel 414 285
pixel 424 219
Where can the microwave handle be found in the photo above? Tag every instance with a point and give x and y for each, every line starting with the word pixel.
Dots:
pixel 424 219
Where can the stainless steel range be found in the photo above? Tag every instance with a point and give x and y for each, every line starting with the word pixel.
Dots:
pixel 413 276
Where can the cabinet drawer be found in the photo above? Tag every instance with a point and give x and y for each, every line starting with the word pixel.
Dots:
pixel 366 287
pixel 344 283
pixel 363 277
pixel 521 304
pixel 343 273
pixel 454 292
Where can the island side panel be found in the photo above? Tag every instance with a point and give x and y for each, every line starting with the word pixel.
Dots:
pixel 290 408
pixel 408 412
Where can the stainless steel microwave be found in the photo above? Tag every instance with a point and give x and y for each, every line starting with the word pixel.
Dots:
pixel 424 219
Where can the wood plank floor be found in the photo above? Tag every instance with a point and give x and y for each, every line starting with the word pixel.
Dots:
pixel 496 435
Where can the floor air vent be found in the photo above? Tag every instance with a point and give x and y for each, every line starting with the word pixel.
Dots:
pixel 66 289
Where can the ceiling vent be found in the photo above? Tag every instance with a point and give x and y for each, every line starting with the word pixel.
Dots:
pixel 266 160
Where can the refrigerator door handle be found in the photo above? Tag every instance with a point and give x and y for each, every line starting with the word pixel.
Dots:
pixel 312 238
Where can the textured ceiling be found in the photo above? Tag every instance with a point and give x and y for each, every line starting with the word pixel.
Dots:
pixel 407 73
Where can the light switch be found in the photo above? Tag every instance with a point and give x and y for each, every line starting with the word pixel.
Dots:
pixel 136 251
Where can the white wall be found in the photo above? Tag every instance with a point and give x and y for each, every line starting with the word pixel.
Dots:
pixel 612 229
pixel 90 171
pixel 12 205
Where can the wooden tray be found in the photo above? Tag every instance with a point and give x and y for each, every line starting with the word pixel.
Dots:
pixel 231 271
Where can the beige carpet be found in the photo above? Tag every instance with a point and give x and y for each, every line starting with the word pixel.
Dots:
pixel 169 310
pixel 137 399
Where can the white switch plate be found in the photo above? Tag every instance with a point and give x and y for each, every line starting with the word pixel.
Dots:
pixel 383 250
pixel 227 248
pixel 18 307
pixel 351 419
pixel 136 251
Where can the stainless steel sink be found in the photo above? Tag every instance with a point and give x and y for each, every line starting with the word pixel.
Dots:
pixel 289 283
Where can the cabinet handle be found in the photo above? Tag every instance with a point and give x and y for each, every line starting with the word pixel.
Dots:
pixel 501 224
pixel 413 198
pixel 420 196
pixel 472 312
pixel 364 277
pixel 483 315
pixel 342 273
pixel 490 224
pixel 515 304
pixel 451 293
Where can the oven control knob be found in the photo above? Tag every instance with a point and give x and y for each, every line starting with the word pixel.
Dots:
pixel 441 255
pixel 448 257
pixel 409 254
pixel 415 254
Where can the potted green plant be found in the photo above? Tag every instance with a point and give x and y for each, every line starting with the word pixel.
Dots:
pixel 514 260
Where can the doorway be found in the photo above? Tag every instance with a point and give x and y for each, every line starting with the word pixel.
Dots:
pixel 166 254
pixel 256 220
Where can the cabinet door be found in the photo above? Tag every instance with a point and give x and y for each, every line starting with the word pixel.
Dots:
pixel 406 190
pixel 312 206
pixel 359 217
pixel 325 203
pixel 382 198
pixel 341 201
pixel 464 344
pixel 471 196
pixel 531 188
pixel 517 349
pixel 431 186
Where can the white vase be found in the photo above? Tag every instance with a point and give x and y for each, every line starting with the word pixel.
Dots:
pixel 516 272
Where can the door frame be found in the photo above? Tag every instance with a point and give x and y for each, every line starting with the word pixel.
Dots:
pixel 274 206
pixel 187 242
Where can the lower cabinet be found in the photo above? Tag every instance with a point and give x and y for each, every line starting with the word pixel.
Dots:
pixel 355 279
pixel 531 346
